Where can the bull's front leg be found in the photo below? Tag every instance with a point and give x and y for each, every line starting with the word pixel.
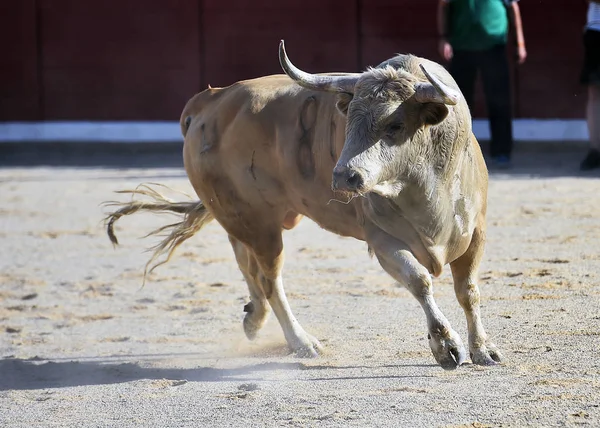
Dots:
pixel 397 260
pixel 465 272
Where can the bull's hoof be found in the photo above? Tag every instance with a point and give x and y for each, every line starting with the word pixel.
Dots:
pixel 449 351
pixel 486 355
pixel 256 316
pixel 309 347
pixel 250 329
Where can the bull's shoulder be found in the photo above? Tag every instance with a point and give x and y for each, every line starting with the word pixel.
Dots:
pixel 258 87
pixel 279 99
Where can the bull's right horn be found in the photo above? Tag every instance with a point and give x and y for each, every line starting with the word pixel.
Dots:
pixel 342 83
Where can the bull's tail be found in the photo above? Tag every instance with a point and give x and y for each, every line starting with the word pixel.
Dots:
pixel 194 217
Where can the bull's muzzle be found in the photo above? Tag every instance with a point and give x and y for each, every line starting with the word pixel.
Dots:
pixel 347 179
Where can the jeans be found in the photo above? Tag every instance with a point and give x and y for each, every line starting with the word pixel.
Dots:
pixel 493 64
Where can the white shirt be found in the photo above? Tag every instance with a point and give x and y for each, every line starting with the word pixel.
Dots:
pixel 593 17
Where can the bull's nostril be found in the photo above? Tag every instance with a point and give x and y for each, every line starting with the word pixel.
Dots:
pixel 354 180
pixel 347 179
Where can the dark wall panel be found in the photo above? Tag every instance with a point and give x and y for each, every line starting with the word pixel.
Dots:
pixel 109 93
pixel 415 18
pixel 389 27
pixel 19 92
pixel 119 59
pixel 551 94
pixel 549 80
pixel 242 37
pixel 377 49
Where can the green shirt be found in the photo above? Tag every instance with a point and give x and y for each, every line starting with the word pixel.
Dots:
pixel 477 24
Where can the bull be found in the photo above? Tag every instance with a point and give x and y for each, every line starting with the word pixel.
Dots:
pixel 394 143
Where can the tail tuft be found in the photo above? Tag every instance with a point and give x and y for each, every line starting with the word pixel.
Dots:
pixel 195 217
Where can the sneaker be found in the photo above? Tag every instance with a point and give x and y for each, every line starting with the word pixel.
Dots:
pixel 591 161
pixel 501 162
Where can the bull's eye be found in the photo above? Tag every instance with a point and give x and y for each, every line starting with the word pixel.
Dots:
pixel 395 128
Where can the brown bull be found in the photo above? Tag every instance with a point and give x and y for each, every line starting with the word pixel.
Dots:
pixel 260 155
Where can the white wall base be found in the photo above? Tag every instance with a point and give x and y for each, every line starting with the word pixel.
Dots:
pixel 134 132
pixel 539 129
pixel 129 132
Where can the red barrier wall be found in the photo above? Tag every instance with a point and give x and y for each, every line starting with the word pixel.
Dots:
pixel 142 59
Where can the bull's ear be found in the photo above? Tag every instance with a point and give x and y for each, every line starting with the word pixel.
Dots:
pixel 433 113
pixel 343 100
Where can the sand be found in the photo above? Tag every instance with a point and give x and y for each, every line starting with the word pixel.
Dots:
pixel 83 344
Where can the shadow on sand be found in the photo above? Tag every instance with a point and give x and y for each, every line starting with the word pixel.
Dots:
pixel 35 373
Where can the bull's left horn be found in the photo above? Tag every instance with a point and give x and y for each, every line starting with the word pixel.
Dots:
pixel 343 83
pixel 435 91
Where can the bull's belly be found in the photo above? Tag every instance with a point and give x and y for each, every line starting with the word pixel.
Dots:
pixel 339 228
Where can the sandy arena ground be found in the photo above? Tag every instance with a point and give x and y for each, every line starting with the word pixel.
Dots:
pixel 82 344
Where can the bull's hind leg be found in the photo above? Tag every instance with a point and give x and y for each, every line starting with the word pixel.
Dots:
pixel 270 256
pixel 465 272
pixel 396 259
pixel 257 310
pixel 265 250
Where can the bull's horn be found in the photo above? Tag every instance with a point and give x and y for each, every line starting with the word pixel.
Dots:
pixel 343 83
pixel 435 91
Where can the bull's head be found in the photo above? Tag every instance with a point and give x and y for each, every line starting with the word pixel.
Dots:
pixel 385 107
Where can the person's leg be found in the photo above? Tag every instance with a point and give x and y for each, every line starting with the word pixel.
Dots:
pixel 496 87
pixel 590 76
pixel 463 69
pixel 592 159
pixel 593 115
